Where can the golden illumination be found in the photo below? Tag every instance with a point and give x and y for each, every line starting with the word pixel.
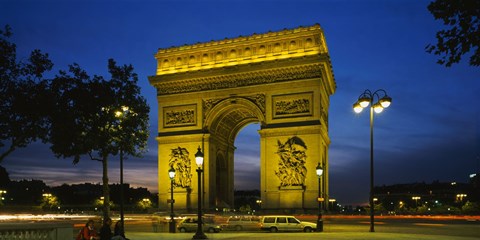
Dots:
pixel 239 51
pixel 244 90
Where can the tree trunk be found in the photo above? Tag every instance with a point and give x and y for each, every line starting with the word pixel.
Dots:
pixel 106 190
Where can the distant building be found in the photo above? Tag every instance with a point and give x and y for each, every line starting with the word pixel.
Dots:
pixel 439 195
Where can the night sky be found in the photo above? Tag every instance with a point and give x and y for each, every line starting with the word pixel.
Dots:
pixel 430 132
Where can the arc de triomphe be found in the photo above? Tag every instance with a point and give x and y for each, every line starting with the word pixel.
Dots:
pixel 207 92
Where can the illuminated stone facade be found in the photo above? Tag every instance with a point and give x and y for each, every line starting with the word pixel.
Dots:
pixel 207 92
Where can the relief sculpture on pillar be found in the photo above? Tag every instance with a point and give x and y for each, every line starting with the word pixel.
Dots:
pixel 179 116
pixel 180 161
pixel 291 166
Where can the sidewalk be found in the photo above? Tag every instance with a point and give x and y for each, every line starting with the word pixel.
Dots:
pixel 275 236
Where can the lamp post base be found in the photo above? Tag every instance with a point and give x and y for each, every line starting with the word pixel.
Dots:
pixel 320 223
pixel 172 226
pixel 200 235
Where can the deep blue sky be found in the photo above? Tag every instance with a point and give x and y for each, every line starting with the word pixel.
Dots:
pixel 430 132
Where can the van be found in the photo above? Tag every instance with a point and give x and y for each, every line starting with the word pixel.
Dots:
pixel 286 224
pixel 239 223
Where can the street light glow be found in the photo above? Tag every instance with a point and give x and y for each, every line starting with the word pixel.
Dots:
pixel 377 108
pixel 385 101
pixel 365 99
pixel 171 173
pixel 357 107
pixel 199 158
pixel 319 170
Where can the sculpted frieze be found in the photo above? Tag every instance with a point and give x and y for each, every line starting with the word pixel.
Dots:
pixel 257 99
pixel 240 79
pixel 176 116
pixel 292 105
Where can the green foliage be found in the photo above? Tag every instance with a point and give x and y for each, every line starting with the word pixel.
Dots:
pixel 49 202
pixel 245 209
pixel 87 108
pixel 463 16
pixel 99 203
pixel 471 208
pixel 23 96
pixel 144 204
pixel 102 117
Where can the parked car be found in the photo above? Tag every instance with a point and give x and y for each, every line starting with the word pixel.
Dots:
pixel 239 223
pixel 190 224
pixel 285 223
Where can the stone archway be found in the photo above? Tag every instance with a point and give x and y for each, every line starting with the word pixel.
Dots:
pixel 207 92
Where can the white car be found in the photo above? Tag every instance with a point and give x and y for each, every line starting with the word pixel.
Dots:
pixel 286 224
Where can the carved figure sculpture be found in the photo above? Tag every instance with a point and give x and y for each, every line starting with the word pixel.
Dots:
pixel 180 161
pixel 291 167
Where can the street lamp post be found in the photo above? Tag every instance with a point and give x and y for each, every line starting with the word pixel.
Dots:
pixel 121 115
pixel 199 160
pixel 364 100
pixel 122 214
pixel 319 171
pixel 171 174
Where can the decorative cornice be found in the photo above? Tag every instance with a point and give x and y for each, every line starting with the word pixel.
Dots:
pixel 288 43
pixel 240 79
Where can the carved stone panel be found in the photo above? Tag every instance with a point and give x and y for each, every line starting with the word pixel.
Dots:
pixel 291 165
pixel 292 105
pixel 179 116
pixel 257 99
pixel 180 162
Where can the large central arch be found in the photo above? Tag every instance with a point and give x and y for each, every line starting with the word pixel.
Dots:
pixel 207 92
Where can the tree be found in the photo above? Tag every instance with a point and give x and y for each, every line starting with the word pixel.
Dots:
pixel 464 35
pixel 23 96
pixel 49 201
pixel 4 178
pixel 101 117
